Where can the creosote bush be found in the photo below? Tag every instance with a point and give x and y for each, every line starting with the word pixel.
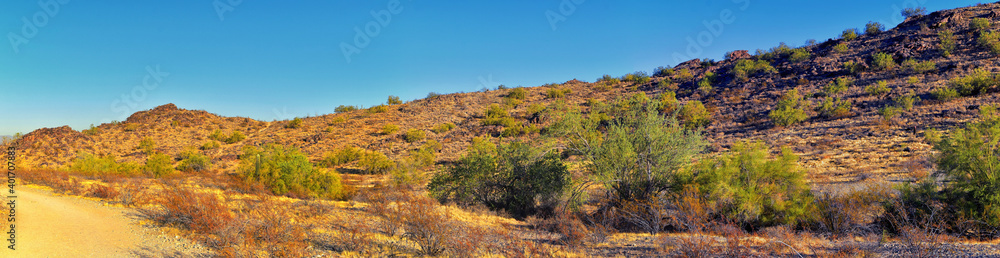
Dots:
pixel 443 128
pixel 508 177
pixel 414 135
pixel 849 34
pixel 745 68
pixel 285 170
pixel 344 155
pixel 388 129
pixel 834 108
pixel 873 28
pixel 838 85
pixel 911 65
pixel 147 145
pixel 375 162
pixel 853 67
pixel 790 109
pixel 840 48
pixel 193 160
pixel 636 78
pixel 913 11
pixel 378 109
pixel 295 123
pixel 799 55
pixel 883 61
pixel 695 115
pixel 947 42
pixel 517 93
pixel 393 100
pixel 668 102
pixel 90 165
pixel 970 156
pixel 879 88
pixel 557 93
pixel 978 82
pixel 158 165
pixel 344 109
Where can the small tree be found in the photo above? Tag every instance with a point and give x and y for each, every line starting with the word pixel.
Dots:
pixel 509 177
pixel 394 100
pixel 971 157
pixel 695 115
pixel 789 110
pixel 873 28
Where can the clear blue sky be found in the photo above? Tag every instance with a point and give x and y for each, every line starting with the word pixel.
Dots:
pixel 84 62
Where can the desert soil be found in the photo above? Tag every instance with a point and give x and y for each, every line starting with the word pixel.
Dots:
pixel 50 225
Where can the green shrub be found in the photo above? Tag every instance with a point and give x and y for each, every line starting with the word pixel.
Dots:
pixel 746 67
pixel 432 94
pixel 750 187
pixel 285 170
pixel 92 130
pixel 944 93
pixel 873 28
pixel 932 136
pixel 906 101
pixel 344 109
pixel 378 109
pixel 978 82
pixel 639 78
pixel 442 128
pixel 840 48
pixel 375 162
pixel 774 53
pixel 838 85
pixel 668 102
pixel 832 108
pixel 158 165
pixel 947 42
pixel 192 160
pixel 295 123
pixel 509 177
pixel 517 93
pixel 607 79
pixel 789 110
pixel 663 71
pixel 235 137
pixel 889 112
pixel 853 67
pixel 979 24
pixel 705 85
pixel 684 75
pixel 497 115
pixel 533 110
pixel 211 144
pixel 90 165
pixel 147 145
pixel 799 55
pixel 990 40
pixel 970 157
pixel 849 34
pixel 388 129
pixel 913 11
pixel 393 100
pixel 414 135
pixel 912 80
pixel 345 155
pixel 695 115
pixel 880 88
pixel 911 65
pixel 557 93
pixel 217 135
pixel 882 62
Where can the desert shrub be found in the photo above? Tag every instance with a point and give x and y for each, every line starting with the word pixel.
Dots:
pixel 90 165
pixel 508 177
pixel 906 101
pixel 497 115
pixel 912 80
pixel 344 155
pixel 873 28
pixel 375 162
pixel 192 160
pixel 944 93
pixel 180 206
pixel 608 80
pixel 932 136
pixel 443 128
pixel 749 186
pixel 388 129
pixel 517 93
pixel 130 127
pixel 684 75
pixel 978 82
pixel 158 165
pixel 553 93
pixel 799 55
pixel 234 137
pixel 774 53
pixel 879 88
pixel 393 100
pixel 705 84
pixel 854 211
pixel 889 112
pixel 295 123
pixel 433 95
pixel 695 115
pixel 533 111
pixel 663 71
pixel 947 42
pixel 882 61
pixel 285 170
pixel 832 108
pixel 849 34
pixel 378 109
pixel 344 108
pixel 979 24
pixel 414 135
pixel 668 102
pixel 911 65
pixel 746 67
pixel 147 145
pixel 789 110
pixel 103 191
pixel 970 157
pixel 913 11
pixel 639 77
pixel 838 85
pixel 91 131
pixel 853 67
pixel 211 144
pixel 840 48
pixel 217 135
pixel 989 40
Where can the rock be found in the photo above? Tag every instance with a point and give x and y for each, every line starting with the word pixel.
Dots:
pixel 738 54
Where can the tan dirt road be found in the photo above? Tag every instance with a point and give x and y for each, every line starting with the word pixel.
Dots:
pixel 49 225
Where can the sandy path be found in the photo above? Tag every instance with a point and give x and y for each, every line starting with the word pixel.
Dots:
pixel 62 226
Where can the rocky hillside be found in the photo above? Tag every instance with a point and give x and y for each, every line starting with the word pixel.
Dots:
pixel 850 146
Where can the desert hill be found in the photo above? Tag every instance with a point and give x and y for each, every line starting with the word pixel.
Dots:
pixel 848 146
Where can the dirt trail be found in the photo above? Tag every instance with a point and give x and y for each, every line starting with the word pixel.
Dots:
pixel 61 226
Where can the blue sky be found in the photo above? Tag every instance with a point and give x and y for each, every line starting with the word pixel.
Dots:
pixel 87 62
